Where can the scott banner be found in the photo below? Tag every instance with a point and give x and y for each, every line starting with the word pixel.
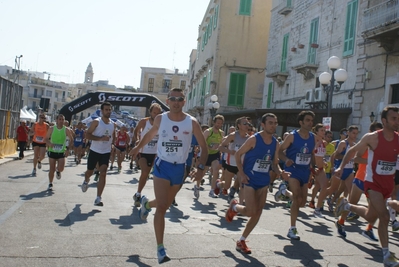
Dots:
pixel 121 99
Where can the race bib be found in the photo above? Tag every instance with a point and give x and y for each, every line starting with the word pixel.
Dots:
pixel 349 165
pixel 152 143
pixel 397 164
pixel 78 139
pixel 58 148
pixel 172 147
pixel 302 159
pixel 385 167
pixel 261 166
pixel 39 139
pixel 122 143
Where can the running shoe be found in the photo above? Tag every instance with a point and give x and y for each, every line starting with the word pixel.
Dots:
pixel 370 235
pixel 395 225
pixel 50 187
pixel 174 203
pixel 224 192
pixel 352 216
pixel 131 165
pixel 391 260
pixel 217 189
pixel 340 229
pixel 271 187
pixel 85 186
pixel 143 211
pixel 111 168
pixel 34 172
pixel 202 181
pixel 39 165
pixel 231 194
pixel 317 213
pixel 119 170
pixel 310 183
pixel 312 204
pixel 98 202
pixel 241 246
pixel 137 199
pixel 293 234
pixel 230 213
pixel 58 174
pixel 279 193
pixel 162 256
pixel 196 192
pixel 212 194
pixel 340 207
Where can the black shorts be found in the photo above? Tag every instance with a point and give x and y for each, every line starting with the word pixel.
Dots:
pixel 232 169
pixel 212 158
pixel 54 155
pixel 397 177
pixel 38 144
pixel 121 149
pixel 94 158
pixel 149 157
pixel 224 164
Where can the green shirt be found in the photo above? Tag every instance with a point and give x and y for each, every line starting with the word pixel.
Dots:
pixel 58 138
pixel 214 139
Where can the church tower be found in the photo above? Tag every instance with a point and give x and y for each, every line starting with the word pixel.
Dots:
pixel 89 74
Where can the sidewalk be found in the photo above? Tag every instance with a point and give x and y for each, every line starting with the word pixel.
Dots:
pixel 14 156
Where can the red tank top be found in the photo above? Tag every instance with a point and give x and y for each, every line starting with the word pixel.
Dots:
pixel 381 163
pixel 121 140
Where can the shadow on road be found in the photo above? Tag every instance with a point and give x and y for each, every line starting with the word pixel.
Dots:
pixel 174 215
pixel 136 259
pixel 299 250
pixel 126 222
pixel 251 261
pixel 29 175
pixel 75 215
pixel 44 193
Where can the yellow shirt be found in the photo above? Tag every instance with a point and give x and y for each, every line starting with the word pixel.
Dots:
pixel 330 148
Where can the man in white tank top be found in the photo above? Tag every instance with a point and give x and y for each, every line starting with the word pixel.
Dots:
pixel 102 134
pixel 175 129
pixel 148 152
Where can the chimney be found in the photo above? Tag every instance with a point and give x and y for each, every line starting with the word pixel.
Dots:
pixel 176 71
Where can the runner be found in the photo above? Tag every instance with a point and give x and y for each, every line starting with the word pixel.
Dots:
pixel 383 149
pixel 149 150
pixel 56 142
pixel 121 143
pixel 102 134
pixel 296 151
pixel 213 137
pixel 78 142
pixel 22 138
pixel 175 129
pixel 260 153
pixel 39 132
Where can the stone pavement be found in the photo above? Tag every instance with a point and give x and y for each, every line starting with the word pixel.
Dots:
pixel 64 228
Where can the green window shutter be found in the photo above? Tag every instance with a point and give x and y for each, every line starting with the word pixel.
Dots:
pixel 350 28
pixel 210 26
pixel 245 7
pixel 203 42
pixel 198 48
pixel 284 54
pixel 208 87
pixel 289 3
pixel 269 95
pixel 237 89
pixel 314 31
pixel 189 96
pixel 216 17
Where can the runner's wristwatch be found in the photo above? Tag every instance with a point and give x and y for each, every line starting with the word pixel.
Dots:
pixel 201 167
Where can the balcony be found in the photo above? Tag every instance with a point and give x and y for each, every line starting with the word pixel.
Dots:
pixel 286 9
pixel 277 75
pixel 308 70
pixel 35 96
pixel 381 23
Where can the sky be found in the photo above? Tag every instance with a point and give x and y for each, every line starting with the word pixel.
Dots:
pixel 116 36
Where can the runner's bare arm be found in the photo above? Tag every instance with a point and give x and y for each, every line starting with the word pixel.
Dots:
pixel 48 136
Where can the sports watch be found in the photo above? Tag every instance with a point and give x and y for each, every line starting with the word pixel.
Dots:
pixel 201 167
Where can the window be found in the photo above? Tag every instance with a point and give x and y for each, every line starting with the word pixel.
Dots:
pixel 189 96
pixel 49 93
pixel 203 41
pixel 210 27
pixel 182 85
pixel 289 3
pixel 284 54
pixel 215 19
pixel 350 28
pixel 35 92
pixel 198 48
pixel 269 95
pixel 34 105
pixel 245 7
pixel 395 93
pixel 166 85
pixel 287 89
pixel 237 89
pixel 56 94
pixel 314 31
pixel 151 85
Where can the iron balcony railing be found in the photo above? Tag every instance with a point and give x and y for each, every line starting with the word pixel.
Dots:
pixel 381 15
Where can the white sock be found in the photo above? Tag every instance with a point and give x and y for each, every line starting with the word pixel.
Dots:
pixel 347 206
pixel 242 238
pixel 385 253
pixel 284 191
pixel 138 194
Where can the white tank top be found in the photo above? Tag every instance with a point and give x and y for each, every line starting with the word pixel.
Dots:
pixel 102 129
pixel 175 139
pixel 235 145
pixel 151 147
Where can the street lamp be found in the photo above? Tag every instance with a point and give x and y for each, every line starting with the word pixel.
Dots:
pixel 213 105
pixel 372 117
pixel 339 75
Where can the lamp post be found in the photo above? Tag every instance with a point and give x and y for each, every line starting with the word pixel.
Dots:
pixel 213 105
pixel 339 75
pixel 372 117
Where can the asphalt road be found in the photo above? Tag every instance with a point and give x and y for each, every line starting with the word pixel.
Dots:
pixel 64 228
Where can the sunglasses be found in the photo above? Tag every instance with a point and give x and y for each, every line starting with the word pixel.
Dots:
pixel 43 118
pixel 176 98
pixel 246 123
pixel 344 133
